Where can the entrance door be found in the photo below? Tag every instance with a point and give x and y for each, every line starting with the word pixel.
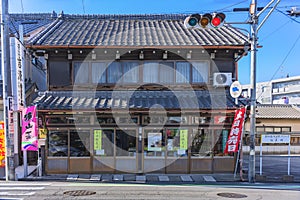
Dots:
pixel 154 151
pixel 79 151
pixel 126 151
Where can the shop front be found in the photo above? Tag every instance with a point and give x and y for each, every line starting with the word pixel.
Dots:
pixel 92 143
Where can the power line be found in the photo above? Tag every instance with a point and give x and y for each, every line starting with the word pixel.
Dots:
pixel 22 6
pixel 286 56
pixel 280 66
pixel 232 5
pixel 280 27
pixel 83 7
pixel 287 16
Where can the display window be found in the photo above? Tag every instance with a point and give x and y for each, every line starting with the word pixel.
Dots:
pixel 58 143
pixel 154 143
pixel 125 143
pixel 79 143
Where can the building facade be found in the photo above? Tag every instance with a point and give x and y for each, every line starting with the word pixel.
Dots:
pixel 275 119
pixel 278 91
pixel 136 94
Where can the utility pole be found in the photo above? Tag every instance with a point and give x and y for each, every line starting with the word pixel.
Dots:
pixel 254 28
pixel 7 92
pixel 253 48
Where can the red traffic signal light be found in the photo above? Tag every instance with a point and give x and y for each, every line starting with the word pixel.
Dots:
pixel 207 20
pixel 217 19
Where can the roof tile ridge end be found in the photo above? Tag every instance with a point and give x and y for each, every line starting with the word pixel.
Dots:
pixel 47 31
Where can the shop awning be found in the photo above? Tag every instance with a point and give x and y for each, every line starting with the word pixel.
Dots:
pixel 135 100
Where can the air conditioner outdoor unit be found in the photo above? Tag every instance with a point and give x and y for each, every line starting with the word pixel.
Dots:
pixel 222 79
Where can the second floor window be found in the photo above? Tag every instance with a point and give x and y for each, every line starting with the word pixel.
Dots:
pixel 131 72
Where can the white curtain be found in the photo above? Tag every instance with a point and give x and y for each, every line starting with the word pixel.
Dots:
pixel 81 72
pixel 166 72
pixel 200 72
pixel 182 72
pixel 99 72
pixel 114 72
pixel 131 72
pixel 150 74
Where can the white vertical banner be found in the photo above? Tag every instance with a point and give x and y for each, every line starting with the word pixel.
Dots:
pixel 17 58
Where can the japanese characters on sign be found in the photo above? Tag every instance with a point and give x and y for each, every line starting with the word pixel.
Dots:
pixel 29 129
pixel 234 137
pixel 275 139
pixel 2 144
pixel 17 62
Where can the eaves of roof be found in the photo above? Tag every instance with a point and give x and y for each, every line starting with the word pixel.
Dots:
pixel 135 100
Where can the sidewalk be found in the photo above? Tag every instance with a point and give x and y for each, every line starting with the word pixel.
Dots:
pixel 148 178
pixel 154 178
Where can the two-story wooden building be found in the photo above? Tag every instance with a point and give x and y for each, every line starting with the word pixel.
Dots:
pixel 136 94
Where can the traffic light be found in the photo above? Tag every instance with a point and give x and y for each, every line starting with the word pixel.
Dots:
pixel 214 20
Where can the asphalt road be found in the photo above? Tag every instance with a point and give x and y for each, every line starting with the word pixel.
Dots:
pixel 274 166
pixel 59 190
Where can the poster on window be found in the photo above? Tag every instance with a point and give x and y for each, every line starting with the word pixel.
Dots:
pixel 234 137
pixel 29 129
pixel 2 144
pixel 154 141
pixel 183 139
pixel 97 139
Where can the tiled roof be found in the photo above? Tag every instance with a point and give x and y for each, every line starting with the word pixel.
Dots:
pixel 277 111
pixel 133 31
pixel 31 22
pixel 86 100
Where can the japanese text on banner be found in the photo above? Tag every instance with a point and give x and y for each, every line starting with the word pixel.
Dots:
pixel 29 129
pixel 234 137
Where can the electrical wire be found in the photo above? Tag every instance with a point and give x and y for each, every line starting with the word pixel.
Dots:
pixel 285 58
pixel 22 6
pixel 231 6
pixel 287 15
pixel 280 27
pixel 83 7
pixel 280 66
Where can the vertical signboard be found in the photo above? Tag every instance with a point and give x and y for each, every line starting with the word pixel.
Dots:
pixel 234 137
pixel 183 139
pixel 2 144
pixel 97 140
pixel 17 72
pixel 224 139
pixel 29 129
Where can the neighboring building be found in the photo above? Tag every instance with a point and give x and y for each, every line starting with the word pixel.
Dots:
pixel 278 91
pixel 34 73
pixel 27 73
pixel 137 94
pixel 276 119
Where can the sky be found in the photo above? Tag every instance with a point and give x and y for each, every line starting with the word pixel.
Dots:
pixel 279 36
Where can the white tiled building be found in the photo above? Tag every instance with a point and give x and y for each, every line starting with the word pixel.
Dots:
pixel 279 91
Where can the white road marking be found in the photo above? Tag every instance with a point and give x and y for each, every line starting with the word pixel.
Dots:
pixel 19 194
pixel 209 179
pixel 21 188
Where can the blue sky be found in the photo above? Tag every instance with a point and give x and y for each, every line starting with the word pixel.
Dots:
pixel 279 36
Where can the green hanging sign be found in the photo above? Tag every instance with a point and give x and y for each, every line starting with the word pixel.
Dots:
pixel 183 139
pixel 97 139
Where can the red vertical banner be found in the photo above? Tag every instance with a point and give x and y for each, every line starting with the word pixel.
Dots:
pixel 2 144
pixel 232 144
pixel 29 129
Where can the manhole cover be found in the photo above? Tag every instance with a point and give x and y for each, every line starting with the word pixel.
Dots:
pixel 79 193
pixel 232 195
